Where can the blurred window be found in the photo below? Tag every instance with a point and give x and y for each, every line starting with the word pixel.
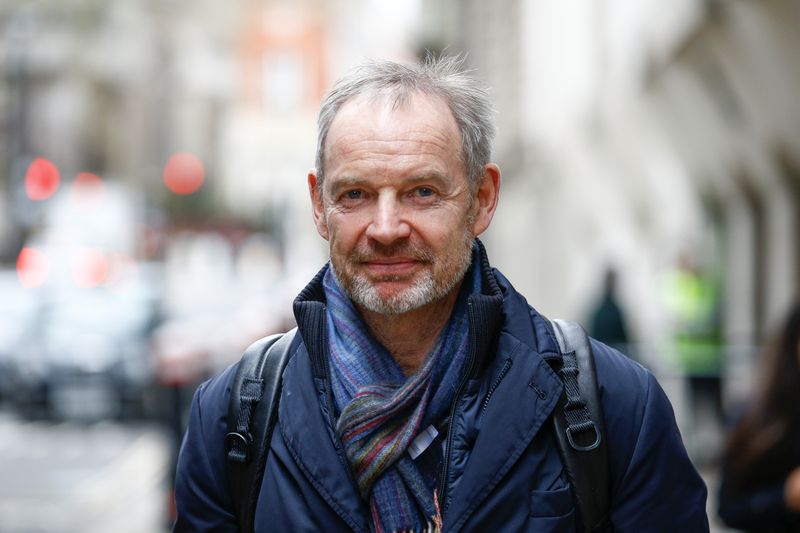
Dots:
pixel 283 81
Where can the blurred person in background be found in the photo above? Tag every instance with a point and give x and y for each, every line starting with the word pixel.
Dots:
pixel 692 297
pixel 608 320
pixel 419 394
pixel 760 482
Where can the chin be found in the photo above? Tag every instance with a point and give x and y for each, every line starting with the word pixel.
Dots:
pixel 368 296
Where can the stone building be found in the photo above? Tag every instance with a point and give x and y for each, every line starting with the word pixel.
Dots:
pixel 630 135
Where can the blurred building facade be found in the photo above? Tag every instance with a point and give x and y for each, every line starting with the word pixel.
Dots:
pixel 629 136
pixel 632 134
pixel 117 88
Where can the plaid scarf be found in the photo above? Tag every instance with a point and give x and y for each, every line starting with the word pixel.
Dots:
pixel 382 411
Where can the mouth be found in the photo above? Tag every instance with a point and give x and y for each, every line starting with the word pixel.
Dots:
pixel 394 267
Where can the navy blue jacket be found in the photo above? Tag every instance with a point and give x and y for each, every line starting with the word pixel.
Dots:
pixel 503 471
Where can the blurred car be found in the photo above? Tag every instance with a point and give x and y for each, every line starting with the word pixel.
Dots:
pixel 86 354
pixel 96 350
pixel 18 314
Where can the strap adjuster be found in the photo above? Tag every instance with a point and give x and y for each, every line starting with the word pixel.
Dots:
pixel 238 447
pixel 579 447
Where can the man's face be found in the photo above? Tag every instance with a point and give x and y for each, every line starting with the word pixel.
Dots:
pixel 395 203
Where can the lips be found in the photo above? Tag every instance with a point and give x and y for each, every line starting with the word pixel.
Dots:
pixel 390 263
pixel 399 266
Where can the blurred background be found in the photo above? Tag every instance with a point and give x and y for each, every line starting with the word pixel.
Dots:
pixel 154 216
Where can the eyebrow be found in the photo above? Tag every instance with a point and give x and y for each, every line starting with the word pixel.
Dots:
pixel 432 176
pixel 347 182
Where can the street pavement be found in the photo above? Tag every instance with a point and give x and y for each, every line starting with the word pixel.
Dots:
pixel 87 478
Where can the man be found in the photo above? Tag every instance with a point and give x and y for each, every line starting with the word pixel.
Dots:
pixel 419 393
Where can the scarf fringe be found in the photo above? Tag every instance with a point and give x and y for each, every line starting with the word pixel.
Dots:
pixel 434 524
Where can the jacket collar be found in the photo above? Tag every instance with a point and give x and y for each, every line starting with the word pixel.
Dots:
pixel 309 313
pixel 519 316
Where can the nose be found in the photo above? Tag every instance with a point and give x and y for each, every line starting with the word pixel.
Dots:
pixel 388 223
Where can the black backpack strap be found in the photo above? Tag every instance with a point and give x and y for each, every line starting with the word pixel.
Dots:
pixel 252 412
pixel 580 428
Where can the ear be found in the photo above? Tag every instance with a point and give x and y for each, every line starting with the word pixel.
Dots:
pixel 317 206
pixel 486 196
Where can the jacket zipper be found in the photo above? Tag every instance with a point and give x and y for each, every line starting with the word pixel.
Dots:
pixel 449 442
pixel 500 376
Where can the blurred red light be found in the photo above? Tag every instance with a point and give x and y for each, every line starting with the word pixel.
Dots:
pixel 89 268
pixel 41 179
pixel 87 188
pixel 183 173
pixel 32 267
pixel 121 268
pixel 87 180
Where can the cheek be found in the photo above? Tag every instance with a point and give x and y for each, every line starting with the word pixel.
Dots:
pixel 343 231
pixel 447 229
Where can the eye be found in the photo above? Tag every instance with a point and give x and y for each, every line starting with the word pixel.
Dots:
pixel 424 192
pixel 353 195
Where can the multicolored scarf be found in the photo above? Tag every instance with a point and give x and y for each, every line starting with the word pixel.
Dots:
pixel 382 411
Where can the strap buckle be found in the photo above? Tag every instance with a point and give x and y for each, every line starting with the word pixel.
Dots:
pixel 238 447
pixel 580 447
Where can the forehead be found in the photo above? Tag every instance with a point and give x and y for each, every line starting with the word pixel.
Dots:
pixel 380 124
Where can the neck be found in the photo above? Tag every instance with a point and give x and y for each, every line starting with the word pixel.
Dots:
pixel 409 337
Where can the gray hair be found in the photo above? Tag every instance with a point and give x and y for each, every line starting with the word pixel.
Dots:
pixel 443 77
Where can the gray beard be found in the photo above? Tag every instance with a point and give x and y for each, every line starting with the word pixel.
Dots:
pixel 423 292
